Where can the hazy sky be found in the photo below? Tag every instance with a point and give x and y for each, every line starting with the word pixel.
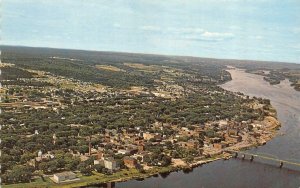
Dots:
pixel 237 29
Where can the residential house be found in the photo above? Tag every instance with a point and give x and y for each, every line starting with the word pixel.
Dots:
pixel 148 136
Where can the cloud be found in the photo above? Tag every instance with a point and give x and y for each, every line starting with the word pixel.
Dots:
pixel 172 30
pixel 188 33
pixel 185 30
pixel 216 35
pixel 210 36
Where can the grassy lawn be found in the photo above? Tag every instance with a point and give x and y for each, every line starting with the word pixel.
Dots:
pixel 109 68
pixel 97 178
pixel 145 68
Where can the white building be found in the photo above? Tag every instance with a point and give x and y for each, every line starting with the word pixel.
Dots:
pixel 63 176
pixel 110 164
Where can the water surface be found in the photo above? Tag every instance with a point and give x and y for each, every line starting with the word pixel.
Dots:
pixel 243 173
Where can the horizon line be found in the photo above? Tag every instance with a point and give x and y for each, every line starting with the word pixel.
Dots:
pixel 145 53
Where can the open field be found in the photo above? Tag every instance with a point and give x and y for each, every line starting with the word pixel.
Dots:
pixel 109 68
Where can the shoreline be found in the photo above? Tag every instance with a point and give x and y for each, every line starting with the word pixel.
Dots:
pixel 189 167
pixel 156 172
pixel 96 180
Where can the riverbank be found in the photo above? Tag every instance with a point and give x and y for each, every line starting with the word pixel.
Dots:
pixel 130 174
pixel 282 144
pixel 126 175
pixel 270 122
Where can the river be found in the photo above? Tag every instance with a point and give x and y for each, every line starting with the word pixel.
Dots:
pixel 243 173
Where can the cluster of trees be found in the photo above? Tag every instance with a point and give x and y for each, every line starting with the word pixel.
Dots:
pixel 26 83
pixel 82 71
pixel 62 161
pixel 14 73
pixel 81 66
pixel 19 173
pixel 92 116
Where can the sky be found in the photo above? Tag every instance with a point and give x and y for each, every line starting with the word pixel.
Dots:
pixel 232 29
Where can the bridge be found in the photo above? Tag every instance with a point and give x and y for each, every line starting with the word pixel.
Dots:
pixel 252 156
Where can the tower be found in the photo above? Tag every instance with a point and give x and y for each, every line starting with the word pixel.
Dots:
pixel 40 153
pixel 54 138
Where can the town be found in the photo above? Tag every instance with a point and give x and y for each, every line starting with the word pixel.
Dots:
pixel 63 130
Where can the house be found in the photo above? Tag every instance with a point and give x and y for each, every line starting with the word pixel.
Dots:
pixel 64 176
pixel 123 151
pixel 233 132
pixel 130 162
pixel 98 154
pixel 42 157
pixel 220 145
pixel 148 136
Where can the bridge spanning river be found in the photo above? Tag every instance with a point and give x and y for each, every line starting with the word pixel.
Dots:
pixel 253 156
pixel 264 171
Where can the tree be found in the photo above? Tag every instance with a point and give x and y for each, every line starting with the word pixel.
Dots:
pixel 166 160
pixel 71 163
pixel 169 144
pixel 43 166
pixel 84 169
pixel 53 165
pixel 90 161
pixel 98 168
pixel 20 174
pixel 83 149
pixel 26 157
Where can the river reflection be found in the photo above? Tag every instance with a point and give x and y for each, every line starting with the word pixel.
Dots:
pixel 243 173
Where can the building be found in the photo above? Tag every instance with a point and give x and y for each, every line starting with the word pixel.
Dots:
pixel 111 164
pixel 64 176
pixel 220 145
pixel 232 132
pixel 124 152
pixel 148 136
pixel 99 161
pixel 130 162
pixel 41 157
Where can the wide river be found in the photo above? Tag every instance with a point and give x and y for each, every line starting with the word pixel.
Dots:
pixel 243 173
